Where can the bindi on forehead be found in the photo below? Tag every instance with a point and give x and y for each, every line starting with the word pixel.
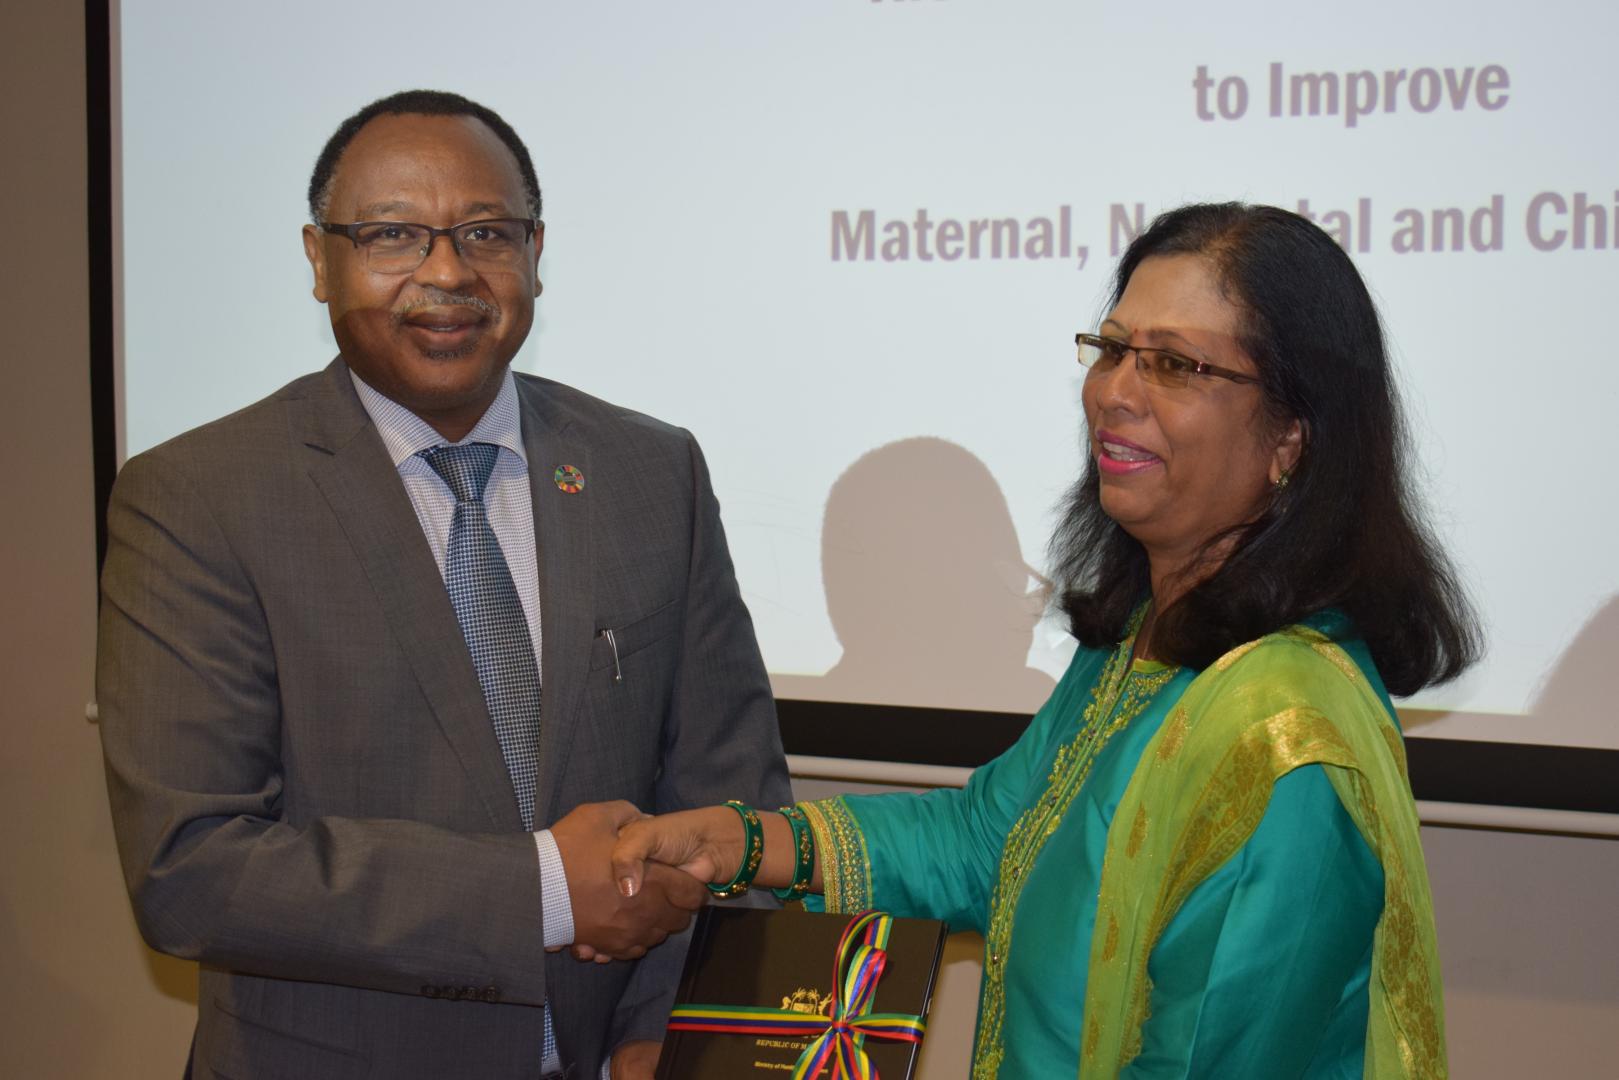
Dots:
pixel 1161 334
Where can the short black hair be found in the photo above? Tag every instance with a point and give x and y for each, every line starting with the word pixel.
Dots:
pixel 416 103
pixel 1344 533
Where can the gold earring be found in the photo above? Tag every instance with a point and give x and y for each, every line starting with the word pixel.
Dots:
pixel 1281 481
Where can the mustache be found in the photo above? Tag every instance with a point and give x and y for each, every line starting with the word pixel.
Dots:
pixel 432 297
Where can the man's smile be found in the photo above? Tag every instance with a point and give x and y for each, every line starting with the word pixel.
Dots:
pixel 447 328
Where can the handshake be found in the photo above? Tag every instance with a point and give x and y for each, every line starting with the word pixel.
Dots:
pixel 634 879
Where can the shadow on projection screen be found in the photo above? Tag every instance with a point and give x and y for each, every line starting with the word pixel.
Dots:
pixel 848 244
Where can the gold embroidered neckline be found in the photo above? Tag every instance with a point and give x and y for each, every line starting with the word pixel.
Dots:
pixel 1121 692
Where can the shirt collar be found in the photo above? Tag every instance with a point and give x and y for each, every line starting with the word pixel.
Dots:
pixel 404 434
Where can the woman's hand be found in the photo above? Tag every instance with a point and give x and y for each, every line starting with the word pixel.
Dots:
pixel 707 844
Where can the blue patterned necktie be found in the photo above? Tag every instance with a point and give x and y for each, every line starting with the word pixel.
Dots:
pixel 491 615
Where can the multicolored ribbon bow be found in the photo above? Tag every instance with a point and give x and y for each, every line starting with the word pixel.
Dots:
pixel 858 966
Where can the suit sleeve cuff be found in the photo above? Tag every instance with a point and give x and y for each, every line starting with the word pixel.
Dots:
pixel 556 909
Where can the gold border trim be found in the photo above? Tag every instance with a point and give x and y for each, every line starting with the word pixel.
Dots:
pixel 845 863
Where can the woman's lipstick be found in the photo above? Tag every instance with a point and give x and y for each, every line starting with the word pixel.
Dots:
pixel 1119 456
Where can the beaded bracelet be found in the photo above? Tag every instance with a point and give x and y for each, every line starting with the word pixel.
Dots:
pixel 753 852
pixel 803 854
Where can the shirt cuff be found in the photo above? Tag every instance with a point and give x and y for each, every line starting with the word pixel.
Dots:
pixel 556 908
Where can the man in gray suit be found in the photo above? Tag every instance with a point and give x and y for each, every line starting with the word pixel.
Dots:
pixel 354 793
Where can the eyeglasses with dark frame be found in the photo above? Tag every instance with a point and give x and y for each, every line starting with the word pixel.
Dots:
pixel 399 247
pixel 1161 367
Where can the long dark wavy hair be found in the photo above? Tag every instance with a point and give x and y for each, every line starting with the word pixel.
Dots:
pixel 1344 532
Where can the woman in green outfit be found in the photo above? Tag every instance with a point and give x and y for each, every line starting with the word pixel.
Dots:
pixel 1201 859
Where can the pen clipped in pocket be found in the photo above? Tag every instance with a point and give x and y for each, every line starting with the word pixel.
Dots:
pixel 616 643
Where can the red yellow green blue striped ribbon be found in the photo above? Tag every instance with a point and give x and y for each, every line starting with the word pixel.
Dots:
pixel 838 1039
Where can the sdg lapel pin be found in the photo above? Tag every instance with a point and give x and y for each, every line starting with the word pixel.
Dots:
pixel 569 479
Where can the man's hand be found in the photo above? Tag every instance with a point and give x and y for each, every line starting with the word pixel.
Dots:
pixel 607 925
pixel 635 1060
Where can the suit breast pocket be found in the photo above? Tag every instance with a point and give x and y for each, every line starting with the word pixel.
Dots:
pixel 633 663
pixel 618 640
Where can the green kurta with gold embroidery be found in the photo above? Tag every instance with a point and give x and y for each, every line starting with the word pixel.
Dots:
pixel 1241 892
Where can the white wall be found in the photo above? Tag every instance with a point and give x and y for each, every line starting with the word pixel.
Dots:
pixel 1526 922
pixel 80 996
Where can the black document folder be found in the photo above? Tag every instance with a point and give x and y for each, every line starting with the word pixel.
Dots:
pixel 783 960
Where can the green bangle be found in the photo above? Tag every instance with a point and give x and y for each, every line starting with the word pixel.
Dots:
pixel 803 854
pixel 753 852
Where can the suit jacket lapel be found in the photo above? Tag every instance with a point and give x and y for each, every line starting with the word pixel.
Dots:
pixel 567 594
pixel 349 465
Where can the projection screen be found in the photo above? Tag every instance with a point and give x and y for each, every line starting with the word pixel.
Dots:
pixel 848 244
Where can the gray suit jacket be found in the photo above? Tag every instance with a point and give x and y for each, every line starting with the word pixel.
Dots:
pixel 308 794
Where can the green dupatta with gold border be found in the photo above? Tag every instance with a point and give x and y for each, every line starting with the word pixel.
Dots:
pixel 1198 793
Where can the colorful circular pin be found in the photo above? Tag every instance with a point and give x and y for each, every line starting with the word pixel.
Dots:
pixel 569 479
